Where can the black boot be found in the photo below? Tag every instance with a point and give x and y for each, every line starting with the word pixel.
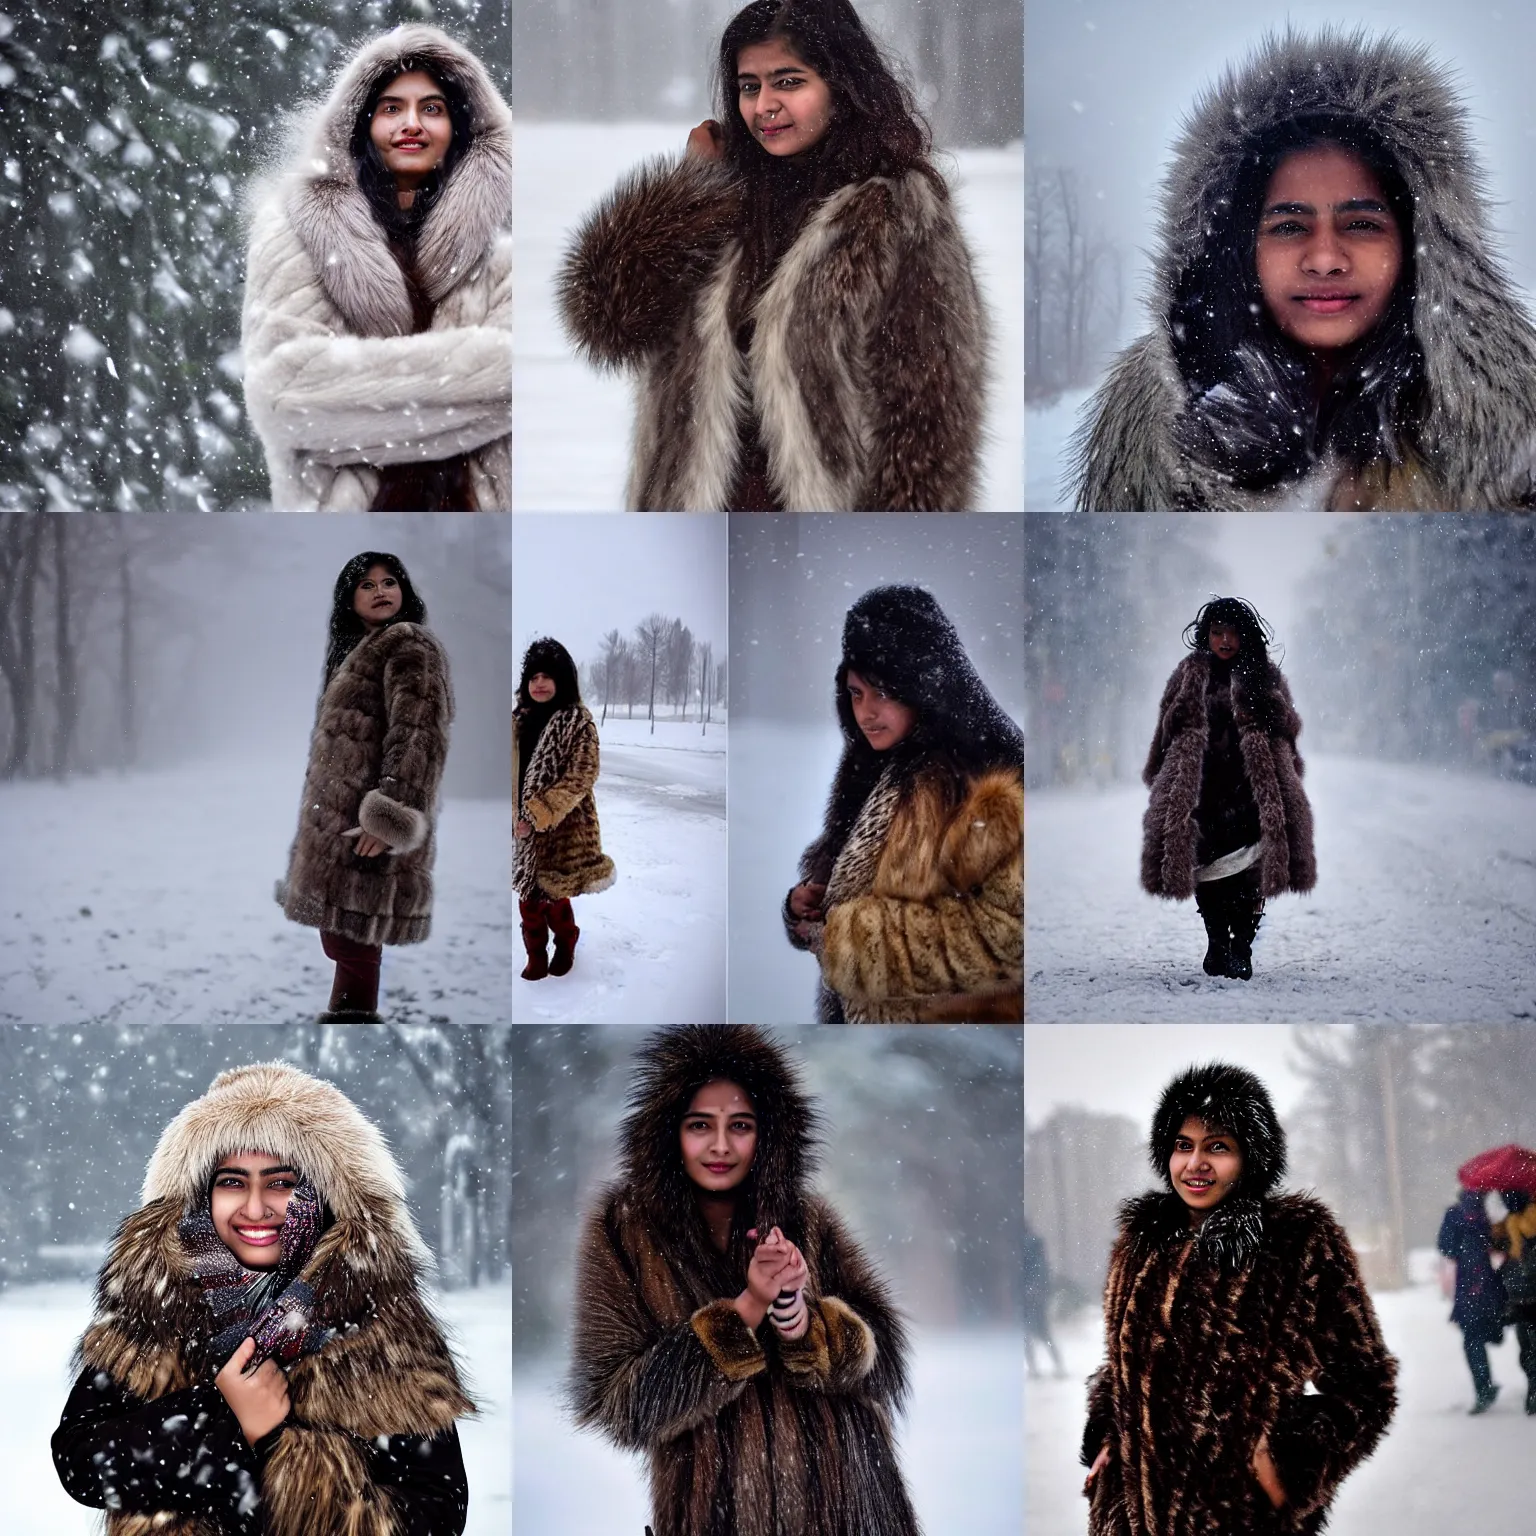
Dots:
pixel 1213 913
pixel 1244 921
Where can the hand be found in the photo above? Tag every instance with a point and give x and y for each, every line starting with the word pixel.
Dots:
pixel 769 1260
pixel 368 846
pixel 260 1400
pixel 1099 1463
pixel 805 902
pixel 707 141
pixel 523 828
pixel 1264 1469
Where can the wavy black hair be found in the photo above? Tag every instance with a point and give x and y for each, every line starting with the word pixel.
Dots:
pixel 876 130
pixel 1254 632
pixel 1375 400
pixel 346 628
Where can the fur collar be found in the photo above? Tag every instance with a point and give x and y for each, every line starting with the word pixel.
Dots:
pixel 1228 1239
pixel 331 216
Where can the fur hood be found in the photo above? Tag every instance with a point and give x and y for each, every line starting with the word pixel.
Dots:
pixel 1156 438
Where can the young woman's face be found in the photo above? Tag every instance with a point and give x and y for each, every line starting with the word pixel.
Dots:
pixel 1205 1165
pixel 719 1137
pixel 411 129
pixel 541 688
pixel 785 104
pixel 249 1202
pixel 883 720
pixel 377 598
pixel 1329 249
pixel 1224 641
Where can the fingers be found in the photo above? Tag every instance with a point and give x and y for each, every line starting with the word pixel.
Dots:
pixel 242 1356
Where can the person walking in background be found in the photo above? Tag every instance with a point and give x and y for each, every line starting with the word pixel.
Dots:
pixel 1478 1310
pixel 1515 1236
pixel 360 869
pixel 1037 1299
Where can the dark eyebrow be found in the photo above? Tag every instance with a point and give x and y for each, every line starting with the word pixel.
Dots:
pixel 783 69
pixel 245 1173
pixel 433 97
pixel 1354 205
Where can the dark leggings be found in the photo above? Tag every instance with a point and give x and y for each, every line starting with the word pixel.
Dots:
pixel 357 972
pixel 1476 1351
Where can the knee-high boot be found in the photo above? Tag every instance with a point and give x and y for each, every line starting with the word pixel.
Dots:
pixel 562 923
pixel 535 922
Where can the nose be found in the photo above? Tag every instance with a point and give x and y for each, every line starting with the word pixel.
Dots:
pixel 255 1206
pixel 1324 256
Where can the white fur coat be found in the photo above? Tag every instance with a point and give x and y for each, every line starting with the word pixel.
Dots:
pixel 336 383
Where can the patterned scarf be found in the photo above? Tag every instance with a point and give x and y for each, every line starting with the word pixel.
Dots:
pixel 272 1306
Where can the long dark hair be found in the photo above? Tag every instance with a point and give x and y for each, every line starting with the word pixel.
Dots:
pixel 1254 632
pixel 347 628
pixel 876 129
pixel 1375 402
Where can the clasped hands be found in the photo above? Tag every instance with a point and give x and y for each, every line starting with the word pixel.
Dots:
pixel 776 1265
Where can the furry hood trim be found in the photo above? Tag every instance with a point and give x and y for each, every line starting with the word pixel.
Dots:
pixel 331 214
pixel 274 1107
pixel 1227 1098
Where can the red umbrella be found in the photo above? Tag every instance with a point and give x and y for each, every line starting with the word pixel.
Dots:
pixel 1508 1167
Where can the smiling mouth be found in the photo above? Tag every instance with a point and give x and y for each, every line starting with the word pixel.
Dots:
pixel 258 1236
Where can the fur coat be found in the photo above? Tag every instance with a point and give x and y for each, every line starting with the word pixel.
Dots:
pixel 369 1447
pixel 376 761
pixel 746 1433
pixel 865 373
pixel 1213 1338
pixel 337 381
pixel 564 857
pixel 1153 439
pixel 1267 726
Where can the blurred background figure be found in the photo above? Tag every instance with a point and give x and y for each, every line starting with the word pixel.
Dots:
pixel 1037 1300
pixel 1478 1309
pixel 1516 1236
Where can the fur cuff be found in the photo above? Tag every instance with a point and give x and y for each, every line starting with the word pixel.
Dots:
pixel 728 1341
pixel 837 1349
pixel 398 825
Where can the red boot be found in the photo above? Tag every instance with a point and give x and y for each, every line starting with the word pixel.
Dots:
pixel 535 919
pixel 355 991
pixel 563 923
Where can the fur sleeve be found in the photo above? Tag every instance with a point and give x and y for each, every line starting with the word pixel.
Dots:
pixel 419 705
pixel 640 254
pixel 578 775
pixel 1318 1438
pixel 1159 747
pixel 638 1380
pixel 1096 1431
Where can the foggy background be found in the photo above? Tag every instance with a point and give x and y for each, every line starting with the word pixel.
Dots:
pixel 88 1106
pixel 1410 648
pixel 939 1106
pixel 135 131
pixel 160 678
pixel 793 580
pixel 1109 82
pixel 641 605
pixel 1378 1118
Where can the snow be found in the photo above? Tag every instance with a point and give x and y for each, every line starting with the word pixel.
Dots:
pixel 40 1325
pixel 1422 912
pixel 149 896
pixel 572 423
pixel 652 946
pixel 1436 1467
pixel 1047 431
pixel 958 1446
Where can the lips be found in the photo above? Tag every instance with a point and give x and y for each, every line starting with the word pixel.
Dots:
pixel 1327 303
pixel 258 1237
pixel 776 129
pixel 718 1167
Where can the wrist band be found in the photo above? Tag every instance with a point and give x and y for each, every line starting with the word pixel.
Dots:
pixel 788 1311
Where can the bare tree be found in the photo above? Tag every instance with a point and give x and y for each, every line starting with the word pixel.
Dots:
pixel 614 647
pixel 651 637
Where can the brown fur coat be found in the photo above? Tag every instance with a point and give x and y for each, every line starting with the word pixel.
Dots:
pixel 376 760
pixel 387 1372
pixel 747 1434
pixel 1267 725
pixel 867 364
pixel 564 857
pixel 1211 1345
pixel 925 907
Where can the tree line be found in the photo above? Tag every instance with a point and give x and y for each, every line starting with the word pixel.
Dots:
pixel 660 662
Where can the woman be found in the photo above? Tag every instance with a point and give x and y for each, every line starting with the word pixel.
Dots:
pixel 557 849
pixel 727 1324
pixel 1224 1303
pixel 1333 328
pixel 912 898
pixel 1466 1238
pixel 794 295
pixel 262 1358
pixel 1228 822
pixel 360 869
pixel 377 329
pixel 1515 1237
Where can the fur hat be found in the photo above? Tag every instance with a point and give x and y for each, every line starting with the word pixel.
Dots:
pixel 1226 1098
pixel 310 1123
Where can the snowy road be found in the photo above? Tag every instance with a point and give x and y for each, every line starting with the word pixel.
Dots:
pixel 1425 909
pixel 147 898
pixel 652 947
pixel 39 1325
pixel 1437 1470
pixel 959 1447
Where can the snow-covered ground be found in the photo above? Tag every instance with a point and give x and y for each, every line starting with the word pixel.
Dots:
pixel 1425 909
pixel 572 424
pixel 147 897
pixel 959 1446
pixel 652 946
pixel 40 1324
pixel 1437 1470
pixel 1047 431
